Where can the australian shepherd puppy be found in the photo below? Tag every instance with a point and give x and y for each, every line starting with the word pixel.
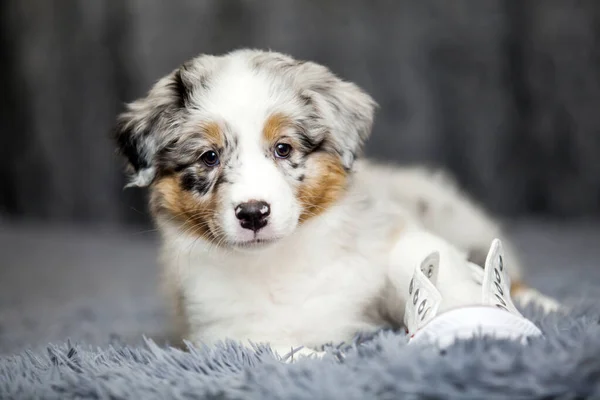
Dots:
pixel 273 230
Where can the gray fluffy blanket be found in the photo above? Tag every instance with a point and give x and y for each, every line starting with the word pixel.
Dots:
pixel 99 288
pixel 566 364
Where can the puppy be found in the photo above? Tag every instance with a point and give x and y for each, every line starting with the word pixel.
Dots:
pixel 272 230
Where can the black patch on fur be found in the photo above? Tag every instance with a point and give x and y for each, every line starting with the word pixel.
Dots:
pixel 310 147
pixel 190 181
pixel 307 143
pixel 301 178
pixel 294 165
pixel 128 147
pixel 180 90
pixel 202 185
pixel 306 99
pixel 319 146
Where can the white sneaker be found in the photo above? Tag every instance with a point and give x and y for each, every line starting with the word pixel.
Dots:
pixel 495 315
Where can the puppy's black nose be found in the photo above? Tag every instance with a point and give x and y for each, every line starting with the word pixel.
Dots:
pixel 253 214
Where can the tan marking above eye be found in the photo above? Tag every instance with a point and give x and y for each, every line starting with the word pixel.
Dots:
pixel 274 126
pixel 213 133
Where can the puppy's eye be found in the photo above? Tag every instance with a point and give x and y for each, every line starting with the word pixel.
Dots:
pixel 210 158
pixel 283 150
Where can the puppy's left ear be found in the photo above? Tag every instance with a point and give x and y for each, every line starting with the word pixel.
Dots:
pixel 345 109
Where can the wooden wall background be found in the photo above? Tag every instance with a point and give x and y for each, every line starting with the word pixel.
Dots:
pixel 504 93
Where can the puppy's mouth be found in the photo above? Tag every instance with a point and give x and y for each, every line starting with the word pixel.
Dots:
pixel 255 243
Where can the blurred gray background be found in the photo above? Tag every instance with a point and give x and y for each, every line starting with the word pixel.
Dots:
pixel 503 93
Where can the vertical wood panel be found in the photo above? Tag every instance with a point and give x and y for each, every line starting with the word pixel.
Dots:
pixel 504 93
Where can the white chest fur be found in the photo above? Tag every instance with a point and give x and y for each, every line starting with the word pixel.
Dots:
pixel 309 289
pixel 321 283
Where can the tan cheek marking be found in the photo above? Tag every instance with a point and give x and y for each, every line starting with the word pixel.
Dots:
pixel 273 127
pixel 322 187
pixel 194 215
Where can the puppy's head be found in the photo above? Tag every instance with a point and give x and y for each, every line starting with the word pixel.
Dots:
pixel 241 149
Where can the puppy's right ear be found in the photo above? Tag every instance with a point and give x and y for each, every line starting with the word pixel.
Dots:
pixel 150 123
pixel 147 124
pixel 132 143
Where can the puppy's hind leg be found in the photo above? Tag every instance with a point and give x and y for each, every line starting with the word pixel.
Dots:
pixel 455 281
pixel 442 208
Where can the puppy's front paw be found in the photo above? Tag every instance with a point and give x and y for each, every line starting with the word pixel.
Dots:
pixel 290 354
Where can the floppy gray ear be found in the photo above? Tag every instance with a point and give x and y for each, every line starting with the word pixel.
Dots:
pixel 134 143
pixel 150 123
pixel 145 126
pixel 345 108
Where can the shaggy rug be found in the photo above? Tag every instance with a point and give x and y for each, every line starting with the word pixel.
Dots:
pixel 565 364
pixel 54 286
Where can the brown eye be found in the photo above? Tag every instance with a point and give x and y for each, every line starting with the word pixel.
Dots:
pixel 283 150
pixel 210 158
